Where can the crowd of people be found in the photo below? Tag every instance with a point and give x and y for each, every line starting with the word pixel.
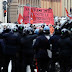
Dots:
pixel 40 47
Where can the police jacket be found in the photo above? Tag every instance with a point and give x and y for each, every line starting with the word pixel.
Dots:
pixel 41 45
pixel 54 41
pixel 65 45
pixel 12 43
pixel 27 44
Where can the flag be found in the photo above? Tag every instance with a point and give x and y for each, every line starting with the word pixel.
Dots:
pixel 33 18
pixel 25 23
pixel 68 14
pixel 20 19
pixel 32 15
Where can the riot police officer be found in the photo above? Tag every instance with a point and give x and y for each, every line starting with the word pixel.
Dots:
pixel 55 51
pixel 65 45
pixel 40 46
pixel 27 52
pixel 12 45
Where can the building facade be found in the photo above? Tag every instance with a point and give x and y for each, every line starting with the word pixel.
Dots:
pixel 12 11
pixel 58 6
pixel 66 4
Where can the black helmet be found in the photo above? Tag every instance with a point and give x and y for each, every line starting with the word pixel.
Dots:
pixel 20 27
pixel 15 29
pixel 57 30
pixel 65 32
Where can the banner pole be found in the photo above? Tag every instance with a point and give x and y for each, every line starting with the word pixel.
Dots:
pixel 30 12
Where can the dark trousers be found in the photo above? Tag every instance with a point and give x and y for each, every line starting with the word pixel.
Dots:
pixel 65 63
pixel 16 63
pixel 55 58
pixel 6 60
pixel 43 64
pixel 14 67
pixel 27 59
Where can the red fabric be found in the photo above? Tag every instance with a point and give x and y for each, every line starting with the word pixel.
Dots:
pixel 37 68
pixel 67 13
pixel 38 15
pixel 25 23
pixel 20 19
pixel 36 65
pixel 32 15
pixel 31 22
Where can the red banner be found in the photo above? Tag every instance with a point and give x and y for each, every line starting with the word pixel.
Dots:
pixel 41 15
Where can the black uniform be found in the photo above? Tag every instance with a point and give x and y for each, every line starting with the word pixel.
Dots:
pixel 12 45
pixel 27 51
pixel 41 45
pixel 65 45
pixel 55 50
pixel 2 56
